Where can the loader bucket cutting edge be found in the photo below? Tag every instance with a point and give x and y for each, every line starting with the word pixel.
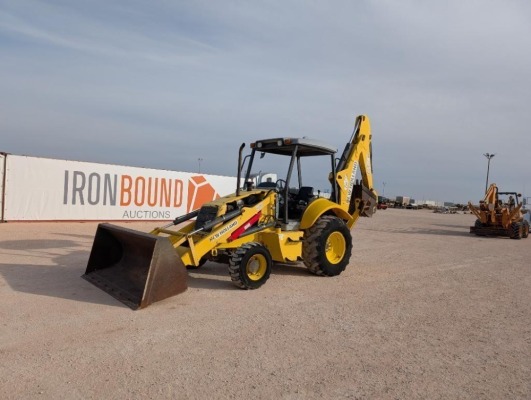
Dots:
pixel 134 267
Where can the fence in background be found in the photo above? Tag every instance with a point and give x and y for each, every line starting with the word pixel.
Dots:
pixel 42 189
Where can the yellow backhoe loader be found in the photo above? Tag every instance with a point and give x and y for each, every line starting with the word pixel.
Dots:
pixel 248 230
pixel 499 218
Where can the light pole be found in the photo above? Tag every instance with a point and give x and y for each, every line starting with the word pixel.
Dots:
pixel 489 156
pixel 199 161
pixel 383 191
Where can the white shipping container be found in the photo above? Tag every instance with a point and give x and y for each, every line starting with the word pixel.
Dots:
pixel 3 158
pixel 37 189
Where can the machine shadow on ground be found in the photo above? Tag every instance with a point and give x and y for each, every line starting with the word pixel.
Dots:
pixel 430 231
pixel 452 226
pixel 60 274
pixel 214 275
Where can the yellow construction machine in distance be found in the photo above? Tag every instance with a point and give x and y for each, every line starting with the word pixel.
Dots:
pixel 249 230
pixel 498 218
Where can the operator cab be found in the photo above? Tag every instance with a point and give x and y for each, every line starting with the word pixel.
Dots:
pixel 293 199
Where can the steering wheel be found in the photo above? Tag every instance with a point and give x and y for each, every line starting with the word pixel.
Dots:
pixel 280 185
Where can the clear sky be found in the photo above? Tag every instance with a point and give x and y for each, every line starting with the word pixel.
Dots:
pixel 161 84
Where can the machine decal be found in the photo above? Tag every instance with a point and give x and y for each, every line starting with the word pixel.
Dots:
pixel 352 178
pixel 224 231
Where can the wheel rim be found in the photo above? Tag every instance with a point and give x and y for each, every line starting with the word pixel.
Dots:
pixel 336 246
pixel 256 267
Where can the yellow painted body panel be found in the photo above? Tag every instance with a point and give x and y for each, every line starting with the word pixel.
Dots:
pixel 283 246
pixel 202 243
pixel 320 206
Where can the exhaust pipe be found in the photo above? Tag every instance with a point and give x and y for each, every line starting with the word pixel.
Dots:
pixel 239 169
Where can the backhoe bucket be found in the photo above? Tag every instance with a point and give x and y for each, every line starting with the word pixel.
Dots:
pixel 134 267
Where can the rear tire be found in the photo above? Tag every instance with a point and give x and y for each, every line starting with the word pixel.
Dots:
pixel 516 229
pixel 525 229
pixel 327 246
pixel 250 266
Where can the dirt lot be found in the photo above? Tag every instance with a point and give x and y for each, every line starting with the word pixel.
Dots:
pixel 425 310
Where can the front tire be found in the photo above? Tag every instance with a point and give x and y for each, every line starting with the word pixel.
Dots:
pixel 250 266
pixel 327 246
pixel 478 225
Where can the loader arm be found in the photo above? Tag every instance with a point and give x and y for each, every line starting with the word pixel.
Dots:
pixel 356 198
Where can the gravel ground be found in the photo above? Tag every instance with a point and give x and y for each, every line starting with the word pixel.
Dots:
pixel 424 311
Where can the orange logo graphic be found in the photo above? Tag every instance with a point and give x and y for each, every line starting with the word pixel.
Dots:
pixel 199 192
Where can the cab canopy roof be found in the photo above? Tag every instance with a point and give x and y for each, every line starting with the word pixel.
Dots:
pixel 285 146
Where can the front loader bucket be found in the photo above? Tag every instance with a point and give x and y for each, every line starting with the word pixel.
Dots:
pixel 136 268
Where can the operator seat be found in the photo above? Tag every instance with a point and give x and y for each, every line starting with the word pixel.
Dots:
pixel 305 194
pixel 299 202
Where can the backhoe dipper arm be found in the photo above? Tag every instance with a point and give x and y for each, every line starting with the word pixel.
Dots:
pixel 357 154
